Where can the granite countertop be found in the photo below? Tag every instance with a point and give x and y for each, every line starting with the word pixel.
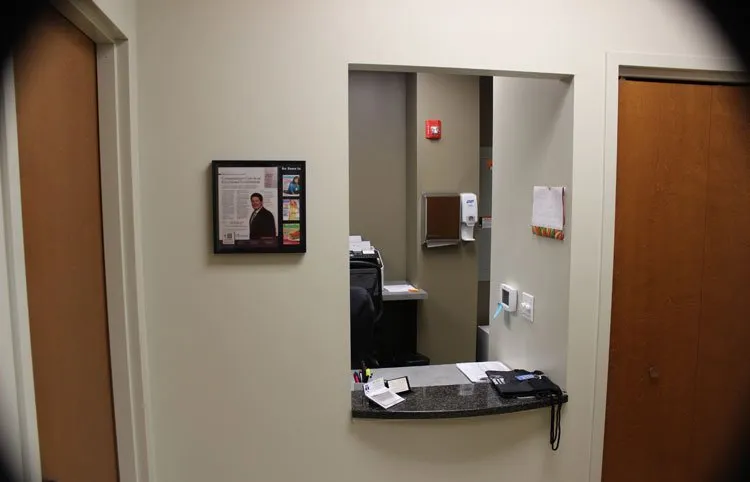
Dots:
pixel 447 401
pixel 441 391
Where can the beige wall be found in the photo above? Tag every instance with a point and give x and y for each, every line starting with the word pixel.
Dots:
pixel 534 147
pixel 121 13
pixel 447 319
pixel 377 165
pixel 267 80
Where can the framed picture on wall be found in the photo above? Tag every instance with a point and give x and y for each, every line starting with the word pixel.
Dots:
pixel 259 206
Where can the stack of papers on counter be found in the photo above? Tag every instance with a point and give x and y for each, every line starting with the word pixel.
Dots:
pixel 380 394
pixel 476 371
pixel 400 288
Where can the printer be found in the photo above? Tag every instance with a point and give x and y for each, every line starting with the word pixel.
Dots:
pixel 360 250
pixel 369 256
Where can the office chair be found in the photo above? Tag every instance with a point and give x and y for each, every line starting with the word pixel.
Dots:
pixel 366 308
pixel 366 274
pixel 362 327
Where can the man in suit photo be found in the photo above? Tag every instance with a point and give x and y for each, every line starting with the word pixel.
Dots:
pixel 262 222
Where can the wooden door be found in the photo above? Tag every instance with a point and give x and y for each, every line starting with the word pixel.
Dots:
pixel 660 233
pixel 724 346
pixel 60 187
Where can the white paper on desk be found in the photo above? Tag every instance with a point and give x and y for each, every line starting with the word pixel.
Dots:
pixel 355 239
pixel 548 210
pixel 380 394
pixel 476 371
pixel 399 288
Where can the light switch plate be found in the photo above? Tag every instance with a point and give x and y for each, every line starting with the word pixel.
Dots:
pixel 527 306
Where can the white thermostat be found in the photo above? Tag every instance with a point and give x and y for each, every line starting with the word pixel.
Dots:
pixel 508 298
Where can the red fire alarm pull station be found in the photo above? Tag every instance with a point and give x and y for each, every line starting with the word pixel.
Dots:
pixel 432 129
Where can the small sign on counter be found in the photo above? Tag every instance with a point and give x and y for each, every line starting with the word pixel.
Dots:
pixel 399 385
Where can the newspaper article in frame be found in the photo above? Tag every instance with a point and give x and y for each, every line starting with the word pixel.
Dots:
pixel 248 205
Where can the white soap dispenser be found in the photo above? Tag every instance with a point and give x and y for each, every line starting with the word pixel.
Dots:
pixel 469 215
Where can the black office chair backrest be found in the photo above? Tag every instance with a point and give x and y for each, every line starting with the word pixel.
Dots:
pixel 367 275
pixel 362 326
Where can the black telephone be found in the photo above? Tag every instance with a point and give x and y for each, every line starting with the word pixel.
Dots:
pixel 522 383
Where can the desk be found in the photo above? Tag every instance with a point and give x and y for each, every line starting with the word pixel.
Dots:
pixel 440 391
pixel 396 332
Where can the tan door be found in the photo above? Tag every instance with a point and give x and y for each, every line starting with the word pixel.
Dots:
pixel 724 350
pixel 680 298
pixel 62 220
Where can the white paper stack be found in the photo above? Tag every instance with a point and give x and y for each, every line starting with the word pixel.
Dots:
pixel 356 243
pixel 476 371
pixel 402 288
pixel 380 394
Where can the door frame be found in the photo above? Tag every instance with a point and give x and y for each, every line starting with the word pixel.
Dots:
pixel 122 259
pixel 663 67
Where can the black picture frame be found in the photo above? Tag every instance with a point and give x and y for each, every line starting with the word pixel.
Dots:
pixel 288 209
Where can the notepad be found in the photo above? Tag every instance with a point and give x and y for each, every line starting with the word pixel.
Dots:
pixel 476 372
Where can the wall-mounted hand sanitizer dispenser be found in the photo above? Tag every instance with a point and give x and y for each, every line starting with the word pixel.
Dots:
pixel 469 215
